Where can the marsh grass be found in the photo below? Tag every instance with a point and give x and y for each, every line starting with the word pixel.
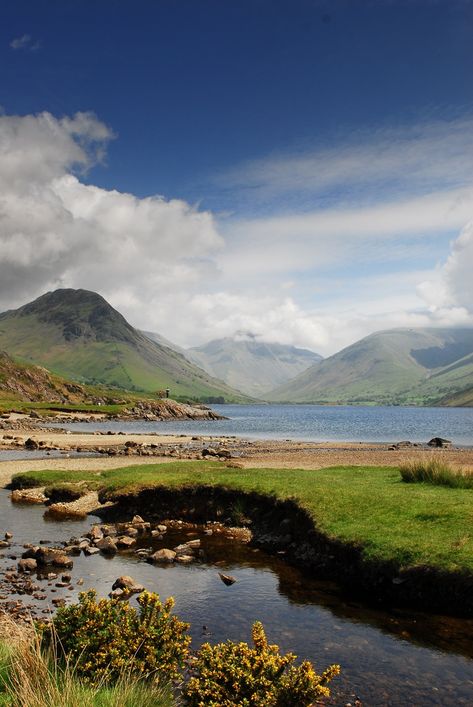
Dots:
pixel 436 471
pixel 31 676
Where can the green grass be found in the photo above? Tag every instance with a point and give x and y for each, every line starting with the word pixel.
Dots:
pixel 436 471
pixel 409 524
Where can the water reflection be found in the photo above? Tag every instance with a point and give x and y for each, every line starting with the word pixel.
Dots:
pixel 388 658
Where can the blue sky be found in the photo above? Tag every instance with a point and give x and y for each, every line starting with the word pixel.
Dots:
pixel 314 159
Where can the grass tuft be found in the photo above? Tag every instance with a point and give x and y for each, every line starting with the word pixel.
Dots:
pixel 435 470
pixel 33 677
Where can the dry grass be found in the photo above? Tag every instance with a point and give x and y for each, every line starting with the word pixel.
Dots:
pixel 33 677
pixel 434 470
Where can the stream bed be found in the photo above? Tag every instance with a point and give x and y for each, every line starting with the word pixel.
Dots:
pixel 391 658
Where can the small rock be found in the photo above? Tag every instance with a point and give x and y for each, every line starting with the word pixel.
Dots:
pixel 227 579
pixel 31 444
pixel 106 545
pixel 164 556
pixel 127 583
pixel 91 550
pixel 125 541
pixel 137 519
pixel 95 533
pixel 29 564
pixel 59 601
pixel 184 559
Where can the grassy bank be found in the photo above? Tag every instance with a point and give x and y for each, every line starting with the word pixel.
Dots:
pixel 408 524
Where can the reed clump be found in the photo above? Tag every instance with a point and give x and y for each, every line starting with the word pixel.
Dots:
pixel 436 471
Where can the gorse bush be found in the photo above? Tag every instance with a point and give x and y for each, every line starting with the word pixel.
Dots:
pixel 235 674
pixel 105 638
pixel 434 470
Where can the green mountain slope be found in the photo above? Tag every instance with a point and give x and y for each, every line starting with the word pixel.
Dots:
pixel 255 367
pixel 77 334
pixel 412 366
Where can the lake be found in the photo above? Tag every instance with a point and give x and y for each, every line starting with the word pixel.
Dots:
pixel 316 423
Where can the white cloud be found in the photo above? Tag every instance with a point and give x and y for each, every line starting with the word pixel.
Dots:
pixel 422 157
pixel 390 230
pixel 55 230
pixel 319 279
pixel 24 42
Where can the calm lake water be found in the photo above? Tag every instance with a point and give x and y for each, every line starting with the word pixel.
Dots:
pixel 388 658
pixel 318 423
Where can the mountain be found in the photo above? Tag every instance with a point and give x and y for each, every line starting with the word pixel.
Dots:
pixel 410 366
pixel 78 334
pixel 254 367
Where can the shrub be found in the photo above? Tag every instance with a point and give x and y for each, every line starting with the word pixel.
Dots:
pixel 435 470
pixel 105 639
pixel 236 674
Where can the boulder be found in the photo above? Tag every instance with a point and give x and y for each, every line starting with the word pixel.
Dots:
pixel 164 556
pixel 137 519
pixel 439 442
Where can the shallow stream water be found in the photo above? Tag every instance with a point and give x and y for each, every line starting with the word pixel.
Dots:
pixel 391 658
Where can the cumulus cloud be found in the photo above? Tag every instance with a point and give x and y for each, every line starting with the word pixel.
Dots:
pixel 310 279
pixel 56 230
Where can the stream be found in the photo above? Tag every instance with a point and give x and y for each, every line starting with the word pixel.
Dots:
pixel 393 658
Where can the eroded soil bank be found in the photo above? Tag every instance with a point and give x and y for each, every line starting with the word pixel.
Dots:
pixel 285 528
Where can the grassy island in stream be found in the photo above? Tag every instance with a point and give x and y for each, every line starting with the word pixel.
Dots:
pixel 407 525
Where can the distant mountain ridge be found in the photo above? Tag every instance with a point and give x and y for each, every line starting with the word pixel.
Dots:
pixel 252 366
pixel 79 335
pixel 397 366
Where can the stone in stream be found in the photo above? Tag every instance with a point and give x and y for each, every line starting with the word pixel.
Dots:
pixel 8 536
pixel 106 545
pixel 185 559
pixel 137 519
pixel 95 533
pixel 227 579
pixel 46 556
pixel 125 542
pixel 164 556
pixel 127 584
pixel 28 564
